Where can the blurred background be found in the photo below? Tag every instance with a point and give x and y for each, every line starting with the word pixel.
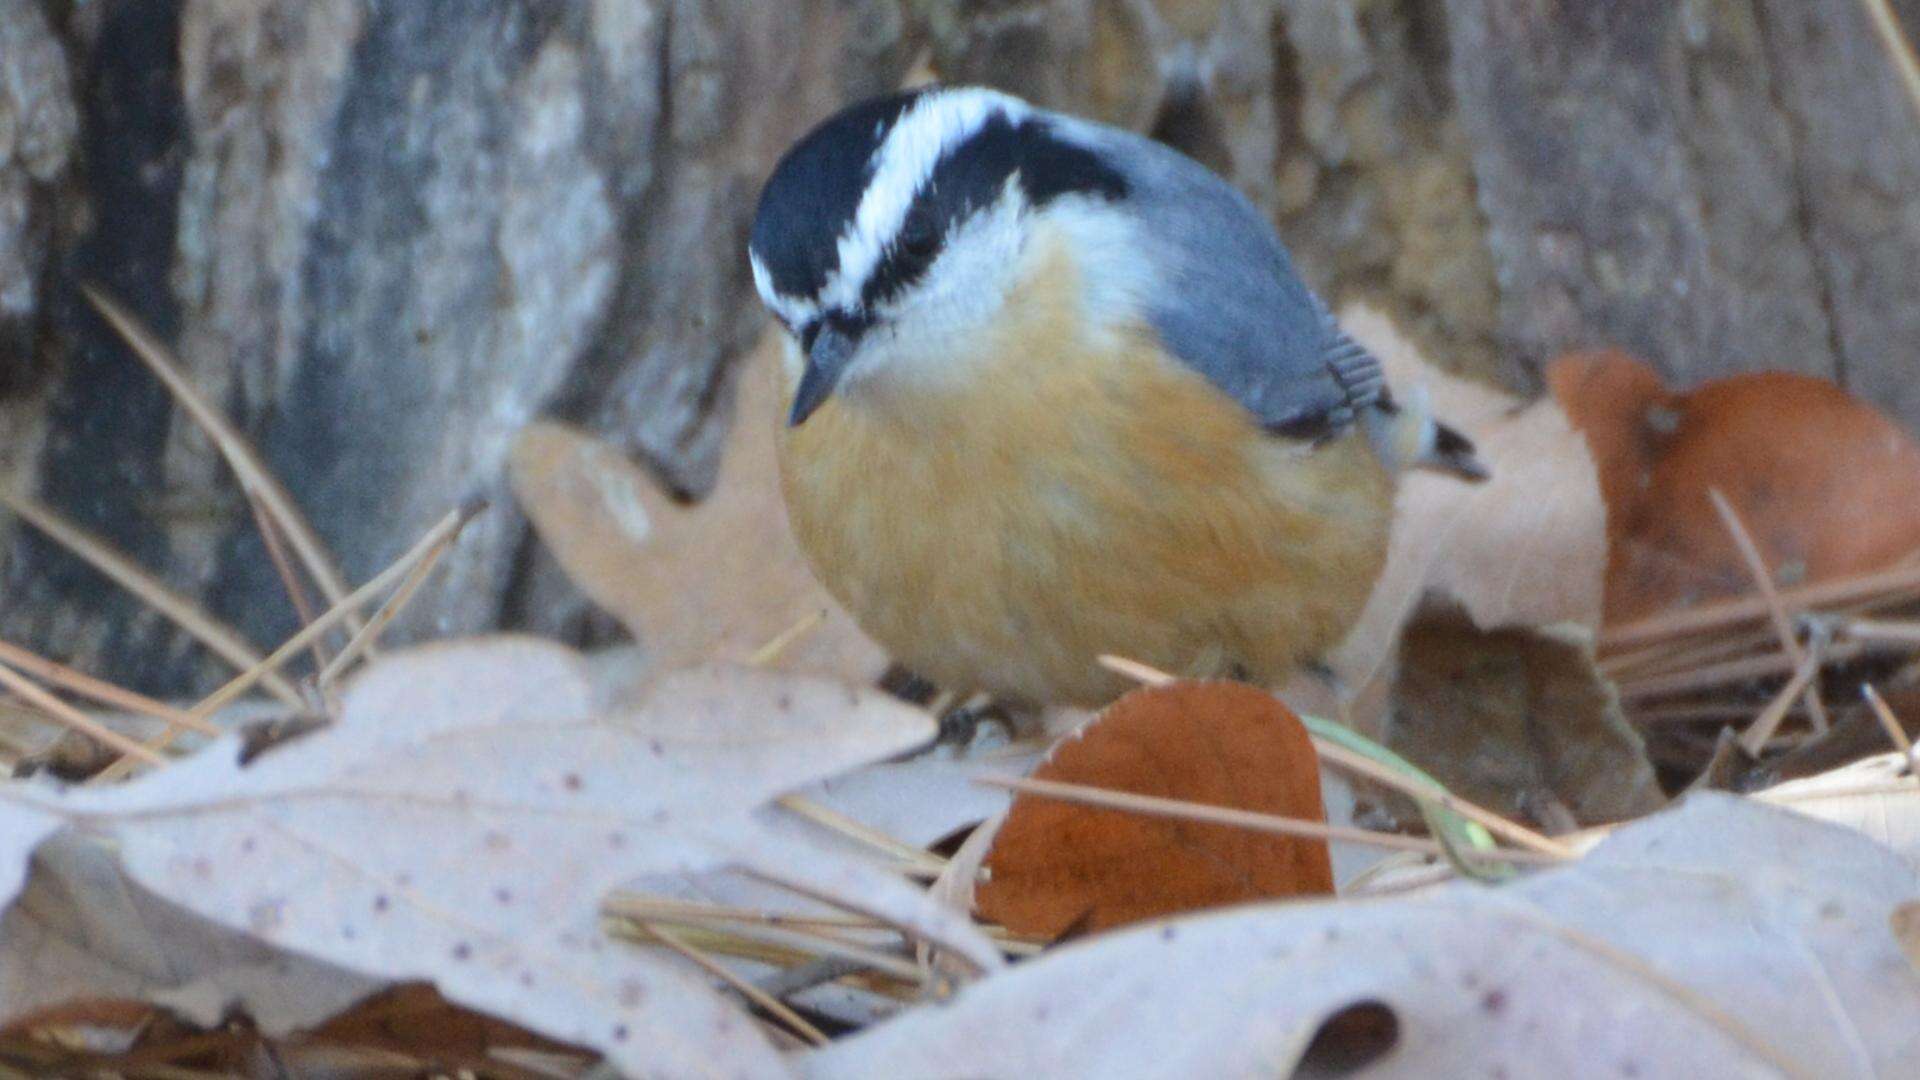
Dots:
pixel 383 236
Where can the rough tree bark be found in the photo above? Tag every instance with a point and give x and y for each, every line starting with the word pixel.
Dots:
pixel 383 234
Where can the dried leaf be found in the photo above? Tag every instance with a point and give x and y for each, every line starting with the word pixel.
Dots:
pixel 1821 479
pixel 1857 732
pixel 1526 548
pixel 927 798
pixel 1616 403
pixel 82 930
pixel 462 819
pixel 23 826
pixel 588 503
pixel 1905 924
pixel 1721 939
pixel 1875 795
pixel 415 1019
pixel 1057 865
pixel 1507 718
pixel 959 880
pixel 716 580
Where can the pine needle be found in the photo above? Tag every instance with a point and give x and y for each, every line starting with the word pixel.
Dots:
pixel 1760 732
pixel 1782 621
pixel 32 693
pixel 835 821
pixel 774 1006
pixel 1892 631
pixel 1243 819
pixel 1900 580
pixel 289 578
pixel 1728 673
pixel 441 533
pixel 778 946
pixel 1894 38
pixel 364 639
pixel 124 572
pixel 642 908
pixel 1896 731
pixel 98 690
pixel 1412 787
pixel 255 479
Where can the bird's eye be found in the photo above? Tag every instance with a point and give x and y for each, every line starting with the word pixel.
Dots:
pixel 919 240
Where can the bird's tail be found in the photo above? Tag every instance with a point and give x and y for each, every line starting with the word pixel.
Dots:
pixel 1410 437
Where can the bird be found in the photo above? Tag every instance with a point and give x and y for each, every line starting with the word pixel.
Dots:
pixel 1056 391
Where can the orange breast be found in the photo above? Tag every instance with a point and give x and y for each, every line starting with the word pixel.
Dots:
pixel 1073 497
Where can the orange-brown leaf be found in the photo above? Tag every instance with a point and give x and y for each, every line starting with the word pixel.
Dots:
pixel 1821 479
pixel 1613 400
pixel 1056 866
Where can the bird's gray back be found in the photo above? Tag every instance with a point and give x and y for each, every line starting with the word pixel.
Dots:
pixel 1229 302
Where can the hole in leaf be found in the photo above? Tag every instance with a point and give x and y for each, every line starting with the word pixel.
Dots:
pixel 1351 1039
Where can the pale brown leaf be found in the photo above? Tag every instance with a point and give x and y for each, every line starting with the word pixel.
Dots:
pixel 463 818
pixel 1875 795
pixel 716 580
pixel 1526 548
pixel 1513 719
pixel 81 930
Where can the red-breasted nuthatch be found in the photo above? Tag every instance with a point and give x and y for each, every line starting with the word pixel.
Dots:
pixel 1058 392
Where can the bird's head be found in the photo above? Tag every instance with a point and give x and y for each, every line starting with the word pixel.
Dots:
pixel 895 230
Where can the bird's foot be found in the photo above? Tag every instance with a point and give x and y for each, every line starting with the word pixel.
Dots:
pixel 966 726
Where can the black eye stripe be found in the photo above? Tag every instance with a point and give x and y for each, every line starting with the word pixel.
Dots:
pixel 920 237
pixel 971 176
pixel 851 324
pixel 905 263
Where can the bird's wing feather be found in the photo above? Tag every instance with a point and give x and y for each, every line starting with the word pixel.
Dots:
pixel 1230 303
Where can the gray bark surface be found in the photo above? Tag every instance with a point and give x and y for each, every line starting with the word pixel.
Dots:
pixel 383 235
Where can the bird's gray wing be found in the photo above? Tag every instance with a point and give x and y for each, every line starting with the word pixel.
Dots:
pixel 1228 301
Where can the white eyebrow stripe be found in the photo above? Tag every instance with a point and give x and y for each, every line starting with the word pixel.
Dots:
pixel 931 126
pixel 795 311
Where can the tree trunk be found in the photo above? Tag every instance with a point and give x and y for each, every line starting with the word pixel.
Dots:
pixel 382 234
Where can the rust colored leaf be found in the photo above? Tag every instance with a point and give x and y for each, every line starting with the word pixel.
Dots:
pixel 1614 402
pixel 1056 866
pixel 412 1018
pixel 1823 480
pixel 107 1013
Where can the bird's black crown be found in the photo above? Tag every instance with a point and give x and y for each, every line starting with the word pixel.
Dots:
pixel 815 192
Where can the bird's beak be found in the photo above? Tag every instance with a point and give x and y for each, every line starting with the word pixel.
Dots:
pixel 827 360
